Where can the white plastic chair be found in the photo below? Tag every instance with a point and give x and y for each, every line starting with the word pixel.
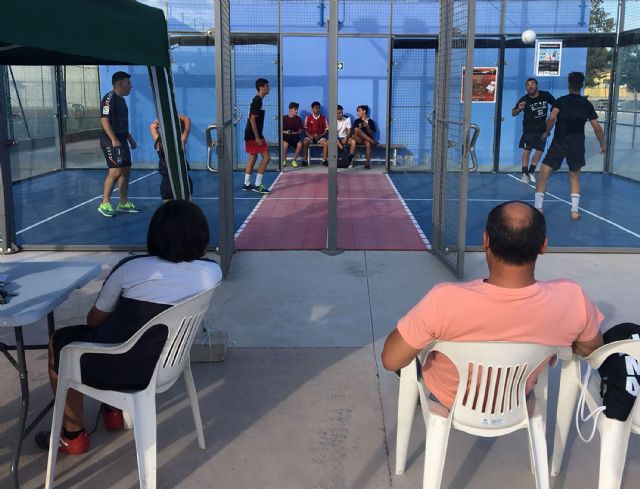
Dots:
pixel 614 434
pixel 183 321
pixel 493 405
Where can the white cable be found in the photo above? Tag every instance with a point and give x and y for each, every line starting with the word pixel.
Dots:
pixel 580 414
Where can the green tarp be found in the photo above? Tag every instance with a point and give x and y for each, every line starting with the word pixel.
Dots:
pixel 94 32
pixel 49 32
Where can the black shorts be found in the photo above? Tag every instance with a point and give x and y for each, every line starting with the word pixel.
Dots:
pixel 291 139
pixel 112 154
pixel 571 148
pixel 166 192
pixel 532 140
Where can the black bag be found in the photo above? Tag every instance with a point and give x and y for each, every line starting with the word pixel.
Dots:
pixel 343 158
pixel 620 374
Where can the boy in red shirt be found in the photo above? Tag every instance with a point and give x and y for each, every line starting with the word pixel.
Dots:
pixel 317 129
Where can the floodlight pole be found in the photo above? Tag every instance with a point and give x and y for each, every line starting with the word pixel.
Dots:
pixel 332 73
pixel 7 218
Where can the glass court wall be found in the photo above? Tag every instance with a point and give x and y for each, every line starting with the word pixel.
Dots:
pixel 388 52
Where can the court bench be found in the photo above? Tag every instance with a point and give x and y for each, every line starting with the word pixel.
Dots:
pixel 360 153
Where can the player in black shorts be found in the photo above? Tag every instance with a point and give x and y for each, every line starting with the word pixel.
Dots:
pixel 114 142
pixel 571 113
pixel 166 192
pixel 535 107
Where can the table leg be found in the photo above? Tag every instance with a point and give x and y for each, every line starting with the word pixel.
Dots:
pixel 22 421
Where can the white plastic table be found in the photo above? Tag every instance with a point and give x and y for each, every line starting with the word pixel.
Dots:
pixel 41 287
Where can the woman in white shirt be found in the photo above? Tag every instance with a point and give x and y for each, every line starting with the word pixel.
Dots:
pixel 137 289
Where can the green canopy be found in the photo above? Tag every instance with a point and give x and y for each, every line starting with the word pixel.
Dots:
pixel 42 32
pixel 72 32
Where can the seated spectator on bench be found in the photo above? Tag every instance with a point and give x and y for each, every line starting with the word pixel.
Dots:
pixel 137 289
pixel 363 130
pixel 316 127
pixel 291 129
pixel 345 138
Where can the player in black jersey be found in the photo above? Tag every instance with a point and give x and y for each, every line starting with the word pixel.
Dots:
pixel 571 113
pixel 535 107
pixel 114 142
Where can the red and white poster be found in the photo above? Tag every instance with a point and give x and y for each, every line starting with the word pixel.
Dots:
pixel 485 82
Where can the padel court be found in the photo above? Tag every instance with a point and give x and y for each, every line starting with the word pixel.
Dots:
pixel 375 211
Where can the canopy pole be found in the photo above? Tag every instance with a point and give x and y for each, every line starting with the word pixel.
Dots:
pixel 7 219
pixel 164 101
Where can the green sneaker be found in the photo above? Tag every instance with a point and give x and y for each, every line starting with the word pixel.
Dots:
pixel 127 207
pixel 106 210
pixel 261 189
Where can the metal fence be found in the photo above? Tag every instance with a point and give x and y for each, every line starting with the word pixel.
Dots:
pixel 452 122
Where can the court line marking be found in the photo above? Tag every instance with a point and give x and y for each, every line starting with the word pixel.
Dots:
pixel 421 233
pixel 614 224
pixel 273 197
pixel 255 209
pixel 78 205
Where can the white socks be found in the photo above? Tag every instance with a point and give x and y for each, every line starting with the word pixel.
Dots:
pixel 258 179
pixel 247 178
pixel 575 202
pixel 539 200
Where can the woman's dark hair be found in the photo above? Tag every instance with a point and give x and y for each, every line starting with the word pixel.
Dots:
pixel 178 231
pixel 365 108
pixel 516 243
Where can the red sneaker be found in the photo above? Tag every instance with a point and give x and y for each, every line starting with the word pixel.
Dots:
pixel 78 445
pixel 112 417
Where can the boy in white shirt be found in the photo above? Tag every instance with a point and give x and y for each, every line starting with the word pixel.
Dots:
pixel 344 134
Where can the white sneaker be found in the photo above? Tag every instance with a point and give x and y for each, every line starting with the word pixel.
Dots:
pixel 284 163
pixel 525 178
pixel 532 179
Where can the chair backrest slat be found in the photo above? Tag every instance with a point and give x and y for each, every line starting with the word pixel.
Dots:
pixel 493 377
pixel 182 321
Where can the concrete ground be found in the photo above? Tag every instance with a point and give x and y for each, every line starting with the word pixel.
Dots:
pixel 302 401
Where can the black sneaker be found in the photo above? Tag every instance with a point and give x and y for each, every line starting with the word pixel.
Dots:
pixel 367 166
pixel 325 163
pixel 305 163
pixel 248 187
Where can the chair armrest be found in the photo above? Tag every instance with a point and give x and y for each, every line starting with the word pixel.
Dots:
pixel 628 347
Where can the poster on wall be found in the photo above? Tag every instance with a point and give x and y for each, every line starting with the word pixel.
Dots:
pixel 548 57
pixel 485 79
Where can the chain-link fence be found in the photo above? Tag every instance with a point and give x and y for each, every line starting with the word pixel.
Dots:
pixel 453 110
pixel 412 99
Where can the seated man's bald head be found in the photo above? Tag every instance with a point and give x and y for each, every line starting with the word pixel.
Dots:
pixel 516 232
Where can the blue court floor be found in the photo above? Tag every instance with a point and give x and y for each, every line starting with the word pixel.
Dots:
pixel 60 208
pixel 608 207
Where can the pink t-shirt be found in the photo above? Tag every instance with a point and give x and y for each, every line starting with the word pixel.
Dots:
pixel 555 313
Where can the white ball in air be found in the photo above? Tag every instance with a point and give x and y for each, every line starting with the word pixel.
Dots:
pixel 529 36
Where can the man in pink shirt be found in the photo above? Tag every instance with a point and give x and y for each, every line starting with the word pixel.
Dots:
pixel 509 305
